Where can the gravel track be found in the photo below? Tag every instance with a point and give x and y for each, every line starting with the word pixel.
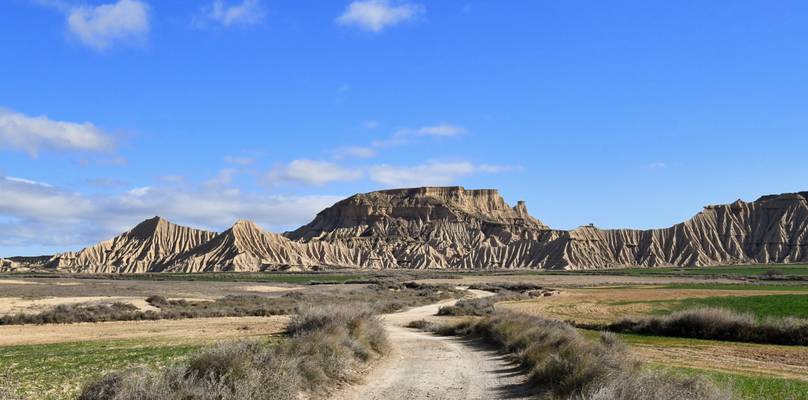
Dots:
pixel 426 366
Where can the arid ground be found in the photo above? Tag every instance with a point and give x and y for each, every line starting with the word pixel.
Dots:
pixel 53 361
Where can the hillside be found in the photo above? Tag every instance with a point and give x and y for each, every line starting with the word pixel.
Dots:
pixel 451 227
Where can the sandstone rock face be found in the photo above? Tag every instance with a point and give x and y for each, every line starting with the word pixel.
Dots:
pixel 451 227
pixel 246 247
pixel 146 247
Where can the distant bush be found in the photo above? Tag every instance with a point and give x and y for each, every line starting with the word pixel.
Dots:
pixel 327 347
pixel 385 297
pixel 718 324
pixel 562 364
pixel 485 305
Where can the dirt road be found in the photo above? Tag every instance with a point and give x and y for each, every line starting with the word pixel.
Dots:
pixel 425 366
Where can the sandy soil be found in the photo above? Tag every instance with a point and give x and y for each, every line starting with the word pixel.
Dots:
pixel 425 366
pixel 606 305
pixel 13 305
pixel 206 329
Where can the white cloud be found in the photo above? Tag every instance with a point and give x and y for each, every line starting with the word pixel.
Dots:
pixel 248 12
pixel 32 134
pixel 375 15
pixel 353 152
pixel 33 213
pixel 429 174
pixel 443 129
pixel 404 136
pixel 102 26
pixel 312 172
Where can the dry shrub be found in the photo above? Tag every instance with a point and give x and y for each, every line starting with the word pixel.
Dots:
pixel 562 364
pixel 328 345
pixel 719 324
pixel 384 296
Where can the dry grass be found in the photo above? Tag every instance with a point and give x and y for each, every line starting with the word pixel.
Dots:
pixel 328 345
pixel 562 364
pixel 718 324
pixel 385 296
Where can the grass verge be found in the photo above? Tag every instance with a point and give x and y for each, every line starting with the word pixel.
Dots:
pixel 328 345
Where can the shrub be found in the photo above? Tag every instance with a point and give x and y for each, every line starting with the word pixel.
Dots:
pixel 327 346
pixel 563 364
pixel 719 324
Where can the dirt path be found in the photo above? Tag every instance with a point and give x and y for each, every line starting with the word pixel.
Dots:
pixel 425 366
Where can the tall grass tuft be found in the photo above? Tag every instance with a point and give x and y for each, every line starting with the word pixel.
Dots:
pixel 327 346
pixel 562 364
pixel 719 324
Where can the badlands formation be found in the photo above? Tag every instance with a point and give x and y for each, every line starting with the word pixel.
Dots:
pixel 449 227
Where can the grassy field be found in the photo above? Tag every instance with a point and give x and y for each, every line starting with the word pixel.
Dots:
pixel 58 371
pixel 751 387
pixel 729 364
pixel 779 305
pixel 788 270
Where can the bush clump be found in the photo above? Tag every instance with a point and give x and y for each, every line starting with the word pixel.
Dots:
pixel 327 346
pixel 718 324
pixel 562 364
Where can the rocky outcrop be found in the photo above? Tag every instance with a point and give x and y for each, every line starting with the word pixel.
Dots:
pixel 451 227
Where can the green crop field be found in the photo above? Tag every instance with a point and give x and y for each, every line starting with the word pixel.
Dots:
pixel 788 270
pixel 58 371
pixel 778 305
pixel 751 387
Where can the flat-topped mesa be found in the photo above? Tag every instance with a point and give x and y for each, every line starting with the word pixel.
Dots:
pixel 422 205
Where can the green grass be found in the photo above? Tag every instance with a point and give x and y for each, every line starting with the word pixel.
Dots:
pixel 735 286
pixel 58 371
pixel 778 305
pixel 790 270
pixel 751 387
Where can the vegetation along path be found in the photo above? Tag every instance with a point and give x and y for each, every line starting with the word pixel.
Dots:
pixel 425 366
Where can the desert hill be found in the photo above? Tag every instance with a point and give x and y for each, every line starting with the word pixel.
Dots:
pixel 144 248
pixel 451 227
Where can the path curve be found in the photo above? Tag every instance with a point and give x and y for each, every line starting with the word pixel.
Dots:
pixel 426 366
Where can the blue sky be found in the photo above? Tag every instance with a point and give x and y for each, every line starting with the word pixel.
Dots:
pixel 621 113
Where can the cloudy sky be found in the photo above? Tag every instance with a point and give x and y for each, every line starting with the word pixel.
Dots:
pixel 619 113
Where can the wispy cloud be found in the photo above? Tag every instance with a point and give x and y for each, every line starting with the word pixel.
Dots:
pixel 403 136
pixel 312 172
pixel 247 12
pixel 239 160
pixel 430 174
pixel 375 15
pixel 107 24
pixel 657 165
pixel 353 152
pixel 33 134
pixel 35 213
